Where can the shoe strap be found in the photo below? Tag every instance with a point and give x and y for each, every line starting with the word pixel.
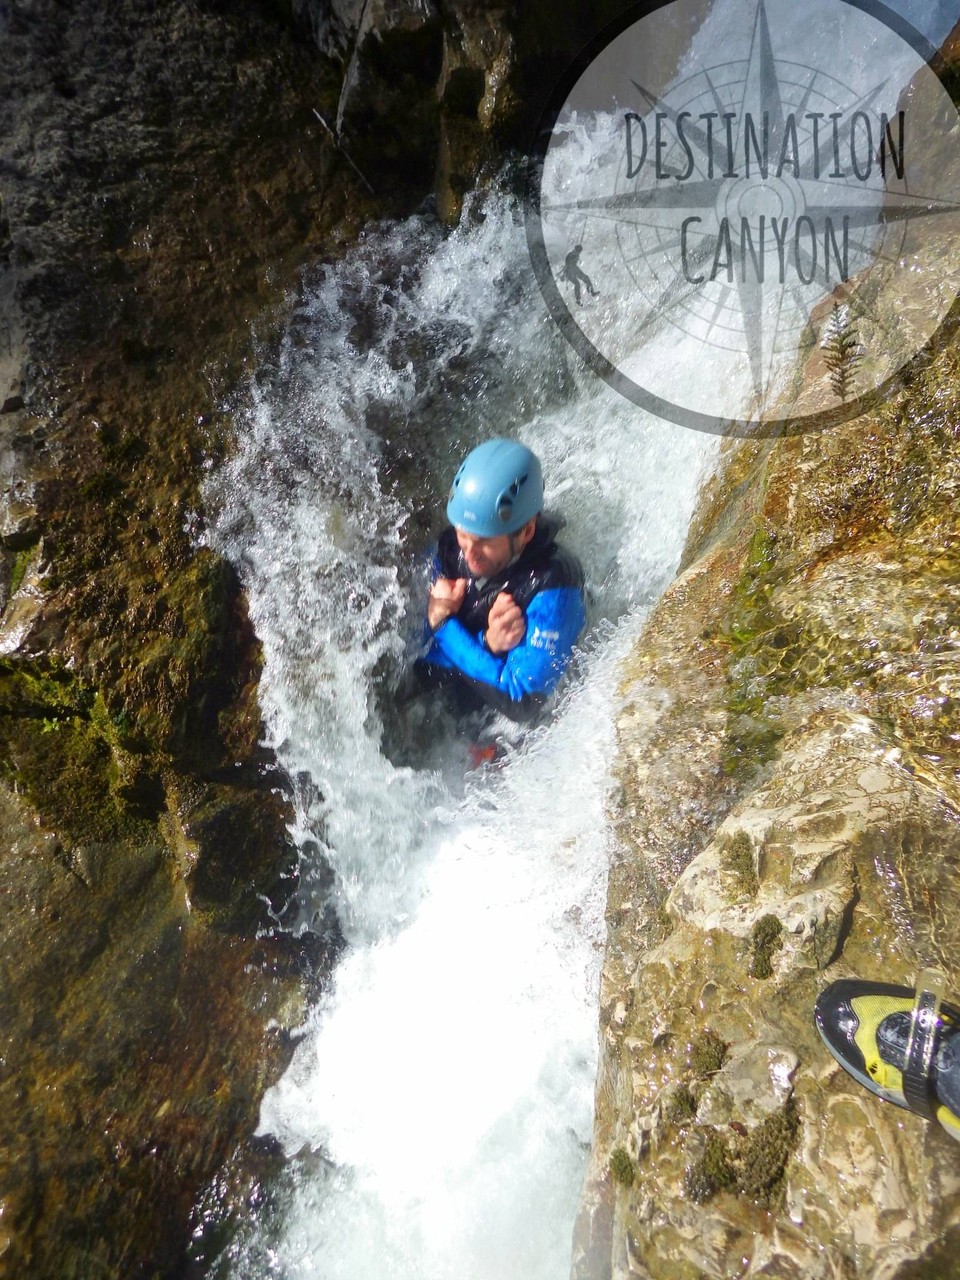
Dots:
pixel 925 1023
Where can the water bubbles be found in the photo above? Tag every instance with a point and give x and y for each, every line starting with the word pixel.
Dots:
pixel 447 1075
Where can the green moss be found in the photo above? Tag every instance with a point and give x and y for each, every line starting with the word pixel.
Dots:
pixel 737 851
pixel 765 940
pixel 752 736
pixel 708 1053
pixel 61 748
pixel 712 1172
pixel 30 690
pixel 621 1166
pixel 761 552
pixel 102 488
pixel 66 775
pixel 21 562
pixel 753 1166
pixel 893 489
pixel 751 627
pixel 682 1106
pixel 763 1158
pixel 174 688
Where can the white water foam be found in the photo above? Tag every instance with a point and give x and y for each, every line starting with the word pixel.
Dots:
pixel 446 1078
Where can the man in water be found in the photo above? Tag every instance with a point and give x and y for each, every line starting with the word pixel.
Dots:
pixel 506 605
pixel 573 272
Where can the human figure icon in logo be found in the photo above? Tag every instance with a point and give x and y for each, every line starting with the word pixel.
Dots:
pixel 573 272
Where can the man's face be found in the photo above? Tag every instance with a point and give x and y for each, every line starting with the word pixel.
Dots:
pixel 485 556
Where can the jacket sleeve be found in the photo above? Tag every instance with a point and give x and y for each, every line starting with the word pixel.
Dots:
pixel 517 682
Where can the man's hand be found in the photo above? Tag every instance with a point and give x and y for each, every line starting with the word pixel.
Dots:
pixel 505 624
pixel 446 597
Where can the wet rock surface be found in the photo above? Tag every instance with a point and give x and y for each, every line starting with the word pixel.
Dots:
pixel 436 93
pixel 800 680
pixel 163 180
pixel 790 814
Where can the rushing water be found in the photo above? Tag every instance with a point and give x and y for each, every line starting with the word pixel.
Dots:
pixel 438 1108
pixel 447 1075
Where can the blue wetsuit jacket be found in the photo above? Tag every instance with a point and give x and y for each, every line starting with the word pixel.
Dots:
pixel 547 583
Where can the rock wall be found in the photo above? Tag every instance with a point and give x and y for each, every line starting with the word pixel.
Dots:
pixel 163 180
pixel 790 814
pixel 434 93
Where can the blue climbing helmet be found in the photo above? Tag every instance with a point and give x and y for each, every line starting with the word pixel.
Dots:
pixel 498 488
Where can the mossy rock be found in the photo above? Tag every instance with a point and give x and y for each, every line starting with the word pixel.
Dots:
pixel 708 1053
pixel 681 1106
pixel 61 750
pixel 239 853
pixel 178 682
pixel 766 939
pixel 763 1158
pixel 752 1165
pixel 713 1171
pixel 738 855
pixel 621 1166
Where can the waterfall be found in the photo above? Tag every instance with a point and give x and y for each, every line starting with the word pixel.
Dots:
pixel 446 1076
pixel 437 1112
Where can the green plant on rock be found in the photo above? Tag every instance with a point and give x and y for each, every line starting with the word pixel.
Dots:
pixel 708 1053
pixel 752 733
pixel 59 746
pixel 752 628
pixel 682 1106
pixel 750 610
pixel 737 852
pixel 752 1166
pixel 761 552
pixel 41 687
pixel 765 939
pixel 621 1166
pixel 763 1159
pixel 713 1171
pixel 21 562
pixel 770 657
pixel 899 484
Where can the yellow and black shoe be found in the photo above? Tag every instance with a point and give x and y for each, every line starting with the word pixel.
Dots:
pixel 901 1044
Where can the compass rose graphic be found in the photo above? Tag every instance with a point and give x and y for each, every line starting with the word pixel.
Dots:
pixel 727 216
